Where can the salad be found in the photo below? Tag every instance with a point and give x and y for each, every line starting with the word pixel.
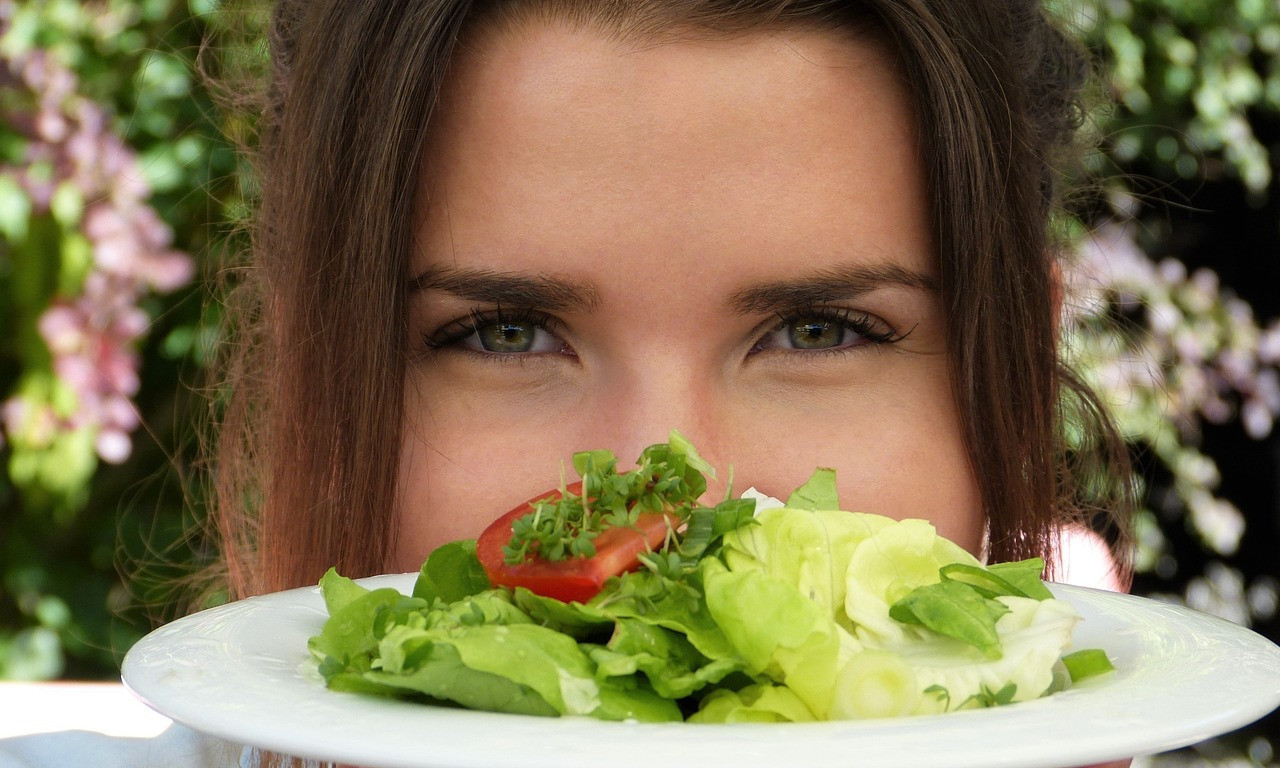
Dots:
pixel 621 597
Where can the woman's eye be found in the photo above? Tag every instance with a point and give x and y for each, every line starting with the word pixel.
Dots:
pixel 491 334
pixel 816 334
pixel 821 331
pixel 507 337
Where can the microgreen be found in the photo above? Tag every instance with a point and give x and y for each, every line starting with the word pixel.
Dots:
pixel 668 478
pixel 989 698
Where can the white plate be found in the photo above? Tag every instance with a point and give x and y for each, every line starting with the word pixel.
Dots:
pixel 241 672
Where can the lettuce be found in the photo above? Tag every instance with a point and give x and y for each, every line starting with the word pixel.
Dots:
pixel 757 703
pixel 802 612
pixel 481 651
pixel 903 620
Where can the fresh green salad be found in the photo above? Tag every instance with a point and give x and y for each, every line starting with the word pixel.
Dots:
pixel 621 598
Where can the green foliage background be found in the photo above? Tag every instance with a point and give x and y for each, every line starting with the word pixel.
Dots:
pixel 69 521
pixel 89 550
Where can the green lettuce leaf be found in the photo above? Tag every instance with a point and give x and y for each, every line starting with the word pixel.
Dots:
pixel 808 549
pixel 818 492
pixel 673 667
pixel 484 652
pixel 956 675
pixel 581 622
pixel 1025 575
pixel 895 559
pixel 441 675
pixel 779 632
pixel 451 572
pixel 761 703
pixel 348 633
pixel 662 602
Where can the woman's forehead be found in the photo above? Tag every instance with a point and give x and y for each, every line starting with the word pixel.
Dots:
pixel 563 140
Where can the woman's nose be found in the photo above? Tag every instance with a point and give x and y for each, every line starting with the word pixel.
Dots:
pixel 660 397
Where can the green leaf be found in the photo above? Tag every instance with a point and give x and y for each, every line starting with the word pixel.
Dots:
pixel 1090 662
pixel 444 676
pixel 673 667
pixel 574 619
pixel 662 602
pixel 817 493
pixel 353 611
pixel 1025 576
pixel 15 210
pixel 451 572
pixel 599 462
pixel 681 446
pixel 553 665
pixel 67 205
pixel 989 698
pixel 1020 579
pixel 779 632
pixel 707 525
pixel 753 704
pixel 338 591
pixel 956 610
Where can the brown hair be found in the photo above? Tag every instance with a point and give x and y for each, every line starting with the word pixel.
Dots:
pixel 309 442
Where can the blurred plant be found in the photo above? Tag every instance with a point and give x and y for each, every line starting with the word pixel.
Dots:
pixel 1186 81
pixel 102 249
pixel 1186 74
pixel 1188 85
pixel 1190 352
pixel 96 152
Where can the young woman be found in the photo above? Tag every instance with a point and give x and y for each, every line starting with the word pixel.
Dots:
pixel 804 233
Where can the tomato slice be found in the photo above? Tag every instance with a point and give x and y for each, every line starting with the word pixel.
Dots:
pixel 618 550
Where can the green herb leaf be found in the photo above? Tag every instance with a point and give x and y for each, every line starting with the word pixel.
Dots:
pixel 1090 662
pixel 988 698
pixel 818 492
pixel 681 446
pixel 668 478
pixel 450 573
pixel 1025 575
pixel 953 609
pixel 983 581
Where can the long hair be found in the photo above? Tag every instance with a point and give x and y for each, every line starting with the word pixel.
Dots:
pixel 308 448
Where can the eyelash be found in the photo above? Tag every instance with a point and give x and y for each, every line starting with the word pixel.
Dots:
pixel 461 328
pixel 876 332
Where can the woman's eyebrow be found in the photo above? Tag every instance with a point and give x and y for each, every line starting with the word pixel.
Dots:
pixel 483 285
pixel 843 282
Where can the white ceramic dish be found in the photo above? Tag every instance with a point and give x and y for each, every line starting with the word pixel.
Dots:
pixel 241 672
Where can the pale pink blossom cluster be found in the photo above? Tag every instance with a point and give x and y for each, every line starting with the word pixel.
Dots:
pixel 1194 353
pixel 1199 343
pixel 93 336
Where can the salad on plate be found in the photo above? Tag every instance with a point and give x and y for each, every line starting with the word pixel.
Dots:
pixel 621 597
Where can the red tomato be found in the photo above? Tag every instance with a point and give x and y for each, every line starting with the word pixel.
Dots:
pixel 576 578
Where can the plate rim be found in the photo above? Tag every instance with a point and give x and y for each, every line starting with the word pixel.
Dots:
pixel 142 675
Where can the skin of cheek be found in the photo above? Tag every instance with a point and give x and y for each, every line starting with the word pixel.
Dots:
pixel 898 451
pixel 464 462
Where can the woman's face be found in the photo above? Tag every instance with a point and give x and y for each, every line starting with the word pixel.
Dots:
pixel 725 236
